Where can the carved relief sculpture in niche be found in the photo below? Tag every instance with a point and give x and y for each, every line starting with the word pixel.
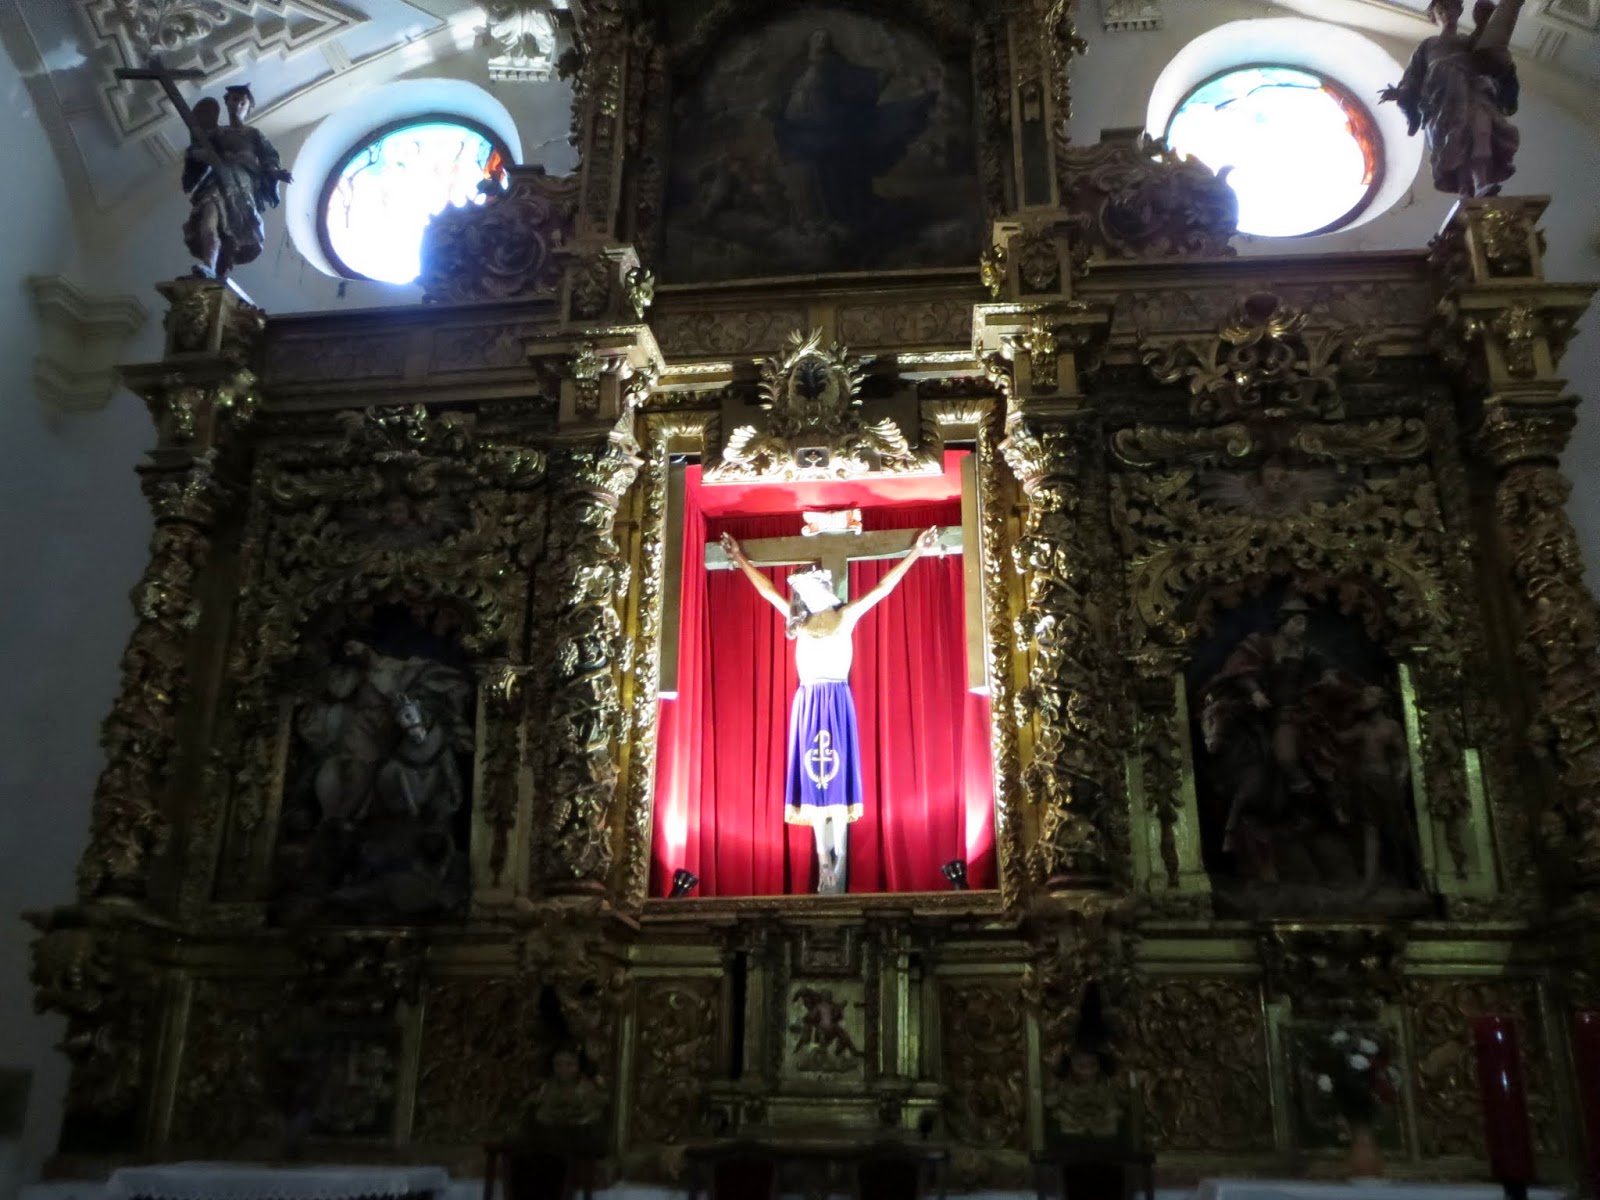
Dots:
pixel 823 140
pixel 374 815
pixel 1302 765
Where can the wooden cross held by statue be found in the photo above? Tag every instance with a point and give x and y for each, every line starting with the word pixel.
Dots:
pixel 168 78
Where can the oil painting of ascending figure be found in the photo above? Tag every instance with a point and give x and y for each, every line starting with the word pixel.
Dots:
pixel 823 141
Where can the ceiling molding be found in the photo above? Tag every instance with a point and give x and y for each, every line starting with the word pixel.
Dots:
pixel 215 37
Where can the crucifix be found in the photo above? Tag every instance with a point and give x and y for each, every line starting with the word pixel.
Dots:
pixel 823 777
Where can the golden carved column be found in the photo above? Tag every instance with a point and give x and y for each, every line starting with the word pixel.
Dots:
pixel 1514 327
pixel 594 460
pixel 1056 447
pixel 198 396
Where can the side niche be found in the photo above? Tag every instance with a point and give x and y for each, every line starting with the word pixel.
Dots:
pixel 1302 763
pixel 375 817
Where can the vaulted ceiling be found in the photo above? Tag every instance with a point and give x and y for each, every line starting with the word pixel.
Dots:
pixel 304 57
pixel 299 57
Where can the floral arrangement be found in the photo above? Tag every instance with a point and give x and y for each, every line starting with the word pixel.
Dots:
pixel 1356 1074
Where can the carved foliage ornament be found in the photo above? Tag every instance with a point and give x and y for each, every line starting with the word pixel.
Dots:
pixel 1073 766
pixel 813 430
pixel 1263 360
pixel 1137 199
pixel 509 246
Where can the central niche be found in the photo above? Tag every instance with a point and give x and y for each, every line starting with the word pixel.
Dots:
pixel 927 795
pixel 823 140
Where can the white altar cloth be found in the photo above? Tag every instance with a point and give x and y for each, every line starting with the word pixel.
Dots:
pixel 1374 1189
pixel 231 1181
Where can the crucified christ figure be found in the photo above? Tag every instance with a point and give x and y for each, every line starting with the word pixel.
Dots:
pixel 823 780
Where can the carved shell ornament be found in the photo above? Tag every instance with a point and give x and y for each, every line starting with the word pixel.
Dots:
pixel 809 390
pixel 813 429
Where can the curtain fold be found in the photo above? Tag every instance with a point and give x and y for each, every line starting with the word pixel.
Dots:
pixel 723 738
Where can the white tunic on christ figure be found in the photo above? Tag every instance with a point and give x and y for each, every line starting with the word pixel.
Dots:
pixel 823 779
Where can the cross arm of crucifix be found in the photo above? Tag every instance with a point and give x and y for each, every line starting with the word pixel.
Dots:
pixel 832 551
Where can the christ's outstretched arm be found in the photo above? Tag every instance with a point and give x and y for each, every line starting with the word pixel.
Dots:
pixel 856 609
pixel 761 582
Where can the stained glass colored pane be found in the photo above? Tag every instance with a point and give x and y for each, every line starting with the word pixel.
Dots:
pixel 1304 155
pixel 386 193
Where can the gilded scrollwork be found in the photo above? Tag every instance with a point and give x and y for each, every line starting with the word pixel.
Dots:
pixel 83 968
pixel 1444 1062
pixel 1560 647
pixel 1201 1093
pixel 676 1057
pixel 1131 198
pixel 508 247
pixel 383 509
pixel 985 1047
pixel 1263 360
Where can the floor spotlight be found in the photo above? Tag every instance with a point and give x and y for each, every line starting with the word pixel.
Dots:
pixel 956 872
pixel 684 881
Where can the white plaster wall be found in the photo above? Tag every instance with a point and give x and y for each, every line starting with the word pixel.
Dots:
pixel 72 534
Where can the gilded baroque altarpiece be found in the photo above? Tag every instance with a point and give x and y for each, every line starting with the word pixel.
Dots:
pixel 370 851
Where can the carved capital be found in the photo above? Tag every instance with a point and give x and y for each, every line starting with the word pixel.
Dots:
pixel 1511 434
pixel 1041 349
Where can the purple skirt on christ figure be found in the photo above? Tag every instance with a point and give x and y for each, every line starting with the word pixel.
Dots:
pixel 824 774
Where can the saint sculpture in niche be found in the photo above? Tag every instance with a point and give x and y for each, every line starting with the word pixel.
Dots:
pixel 369 821
pixel 823 779
pixel 1315 772
pixel 1460 89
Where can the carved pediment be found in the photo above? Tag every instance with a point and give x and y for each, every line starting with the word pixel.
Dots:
pixel 510 246
pixel 814 428
pixel 1130 197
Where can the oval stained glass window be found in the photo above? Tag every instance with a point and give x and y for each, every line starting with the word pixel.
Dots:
pixel 1304 154
pixel 376 206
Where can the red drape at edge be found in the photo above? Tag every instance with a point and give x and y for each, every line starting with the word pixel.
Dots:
pixel 723 740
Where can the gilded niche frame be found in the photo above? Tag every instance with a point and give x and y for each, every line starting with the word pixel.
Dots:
pixel 670 440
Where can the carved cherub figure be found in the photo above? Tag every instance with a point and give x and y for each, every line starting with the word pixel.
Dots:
pixel 820 1029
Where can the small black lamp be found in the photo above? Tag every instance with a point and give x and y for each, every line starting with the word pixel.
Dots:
pixel 956 872
pixel 684 881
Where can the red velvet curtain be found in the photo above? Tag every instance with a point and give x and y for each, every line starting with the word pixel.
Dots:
pixel 723 737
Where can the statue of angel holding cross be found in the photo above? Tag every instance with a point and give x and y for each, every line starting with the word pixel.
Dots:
pixel 230 173
pixel 823 779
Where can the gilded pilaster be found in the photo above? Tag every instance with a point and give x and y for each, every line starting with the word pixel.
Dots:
pixel 1514 326
pixel 198 397
pixel 593 464
pixel 1056 448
